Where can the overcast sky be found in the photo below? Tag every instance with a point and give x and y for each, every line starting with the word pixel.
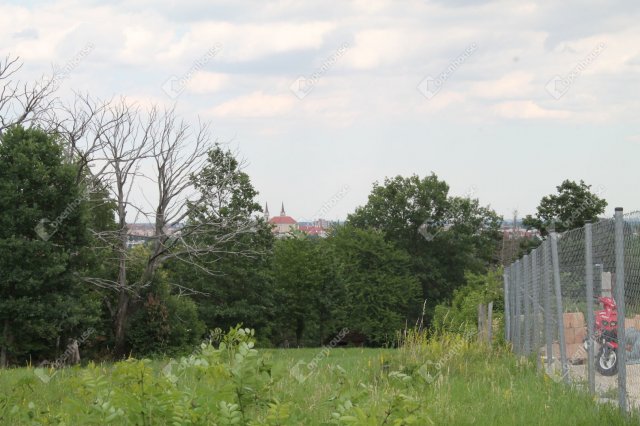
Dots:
pixel 503 100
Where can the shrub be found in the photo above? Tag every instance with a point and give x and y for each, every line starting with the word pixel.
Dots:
pixel 168 326
pixel 462 313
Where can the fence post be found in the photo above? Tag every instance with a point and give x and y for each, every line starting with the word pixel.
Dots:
pixel 535 275
pixel 619 298
pixel 518 297
pixel 507 307
pixel 489 322
pixel 558 288
pixel 481 323
pixel 546 287
pixel 526 265
pixel 588 263
pixel 514 292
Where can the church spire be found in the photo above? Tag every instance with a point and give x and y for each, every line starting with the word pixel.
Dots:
pixel 282 213
pixel 266 211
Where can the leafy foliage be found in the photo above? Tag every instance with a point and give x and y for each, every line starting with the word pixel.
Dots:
pixel 43 227
pixel 352 280
pixel 440 378
pixel 164 323
pixel 379 289
pixel 462 312
pixel 445 236
pixel 239 290
pixel 570 208
pixel 307 290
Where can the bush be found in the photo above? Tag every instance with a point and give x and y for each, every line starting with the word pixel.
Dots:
pixel 166 326
pixel 186 328
pixel 462 313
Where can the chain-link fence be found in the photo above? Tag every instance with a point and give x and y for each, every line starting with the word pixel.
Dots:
pixel 572 300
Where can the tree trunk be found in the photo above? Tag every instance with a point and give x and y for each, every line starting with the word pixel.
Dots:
pixel 122 310
pixel 299 331
pixel 3 349
pixel 120 323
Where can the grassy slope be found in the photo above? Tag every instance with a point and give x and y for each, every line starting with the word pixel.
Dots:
pixel 475 386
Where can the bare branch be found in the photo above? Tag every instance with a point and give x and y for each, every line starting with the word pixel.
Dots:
pixel 22 103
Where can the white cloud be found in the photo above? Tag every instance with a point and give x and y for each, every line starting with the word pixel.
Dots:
pixel 517 84
pixel 527 110
pixel 246 42
pixel 442 101
pixel 336 109
pixel 204 82
pixel 143 43
pixel 374 48
pixel 255 105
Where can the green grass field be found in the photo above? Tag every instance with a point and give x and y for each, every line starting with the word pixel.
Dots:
pixel 444 381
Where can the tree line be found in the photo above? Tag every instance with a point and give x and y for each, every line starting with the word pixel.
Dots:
pixel 72 177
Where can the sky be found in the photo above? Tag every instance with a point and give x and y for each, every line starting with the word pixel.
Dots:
pixel 501 99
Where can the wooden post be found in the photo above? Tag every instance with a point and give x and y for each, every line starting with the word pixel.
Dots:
pixel 489 323
pixel 5 343
pixel 481 322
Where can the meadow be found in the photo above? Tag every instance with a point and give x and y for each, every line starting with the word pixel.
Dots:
pixel 443 379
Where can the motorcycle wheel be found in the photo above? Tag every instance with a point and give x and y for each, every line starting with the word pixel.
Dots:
pixel 607 361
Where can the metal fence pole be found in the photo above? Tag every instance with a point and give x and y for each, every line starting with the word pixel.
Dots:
pixel 588 263
pixel 558 288
pixel 620 302
pixel 526 265
pixel 523 304
pixel 535 275
pixel 507 307
pixel 510 290
pixel 518 297
pixel 546 286
pixel 513 291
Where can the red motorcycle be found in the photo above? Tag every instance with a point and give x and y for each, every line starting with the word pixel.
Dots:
pixel 606 334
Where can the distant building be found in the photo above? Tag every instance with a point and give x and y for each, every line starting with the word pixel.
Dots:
pixel 510 232
pixel 283 224
pixel 140 233
pixel 313 230
pixel 513 236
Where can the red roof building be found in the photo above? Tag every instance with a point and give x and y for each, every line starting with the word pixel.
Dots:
pixel 283 220
pixel 312 230
pixel 283 224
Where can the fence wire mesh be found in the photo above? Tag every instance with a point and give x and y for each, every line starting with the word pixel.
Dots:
pixel 571 301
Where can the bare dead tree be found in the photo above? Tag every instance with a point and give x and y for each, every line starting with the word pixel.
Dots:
pixel 130 147
pixel 124 144
pixel 22 103
pixel 81 125
pixel 178 153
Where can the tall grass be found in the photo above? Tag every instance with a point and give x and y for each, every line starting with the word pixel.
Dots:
pixel 432 378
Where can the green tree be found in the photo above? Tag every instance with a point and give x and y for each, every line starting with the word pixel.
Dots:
pixel 240 291
pixel 230 284
pixel 572 206
pixel 379 288
pixel 298 277
pixel 444 236
pixel 164 323
pixel 96 264
pixel 43 229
